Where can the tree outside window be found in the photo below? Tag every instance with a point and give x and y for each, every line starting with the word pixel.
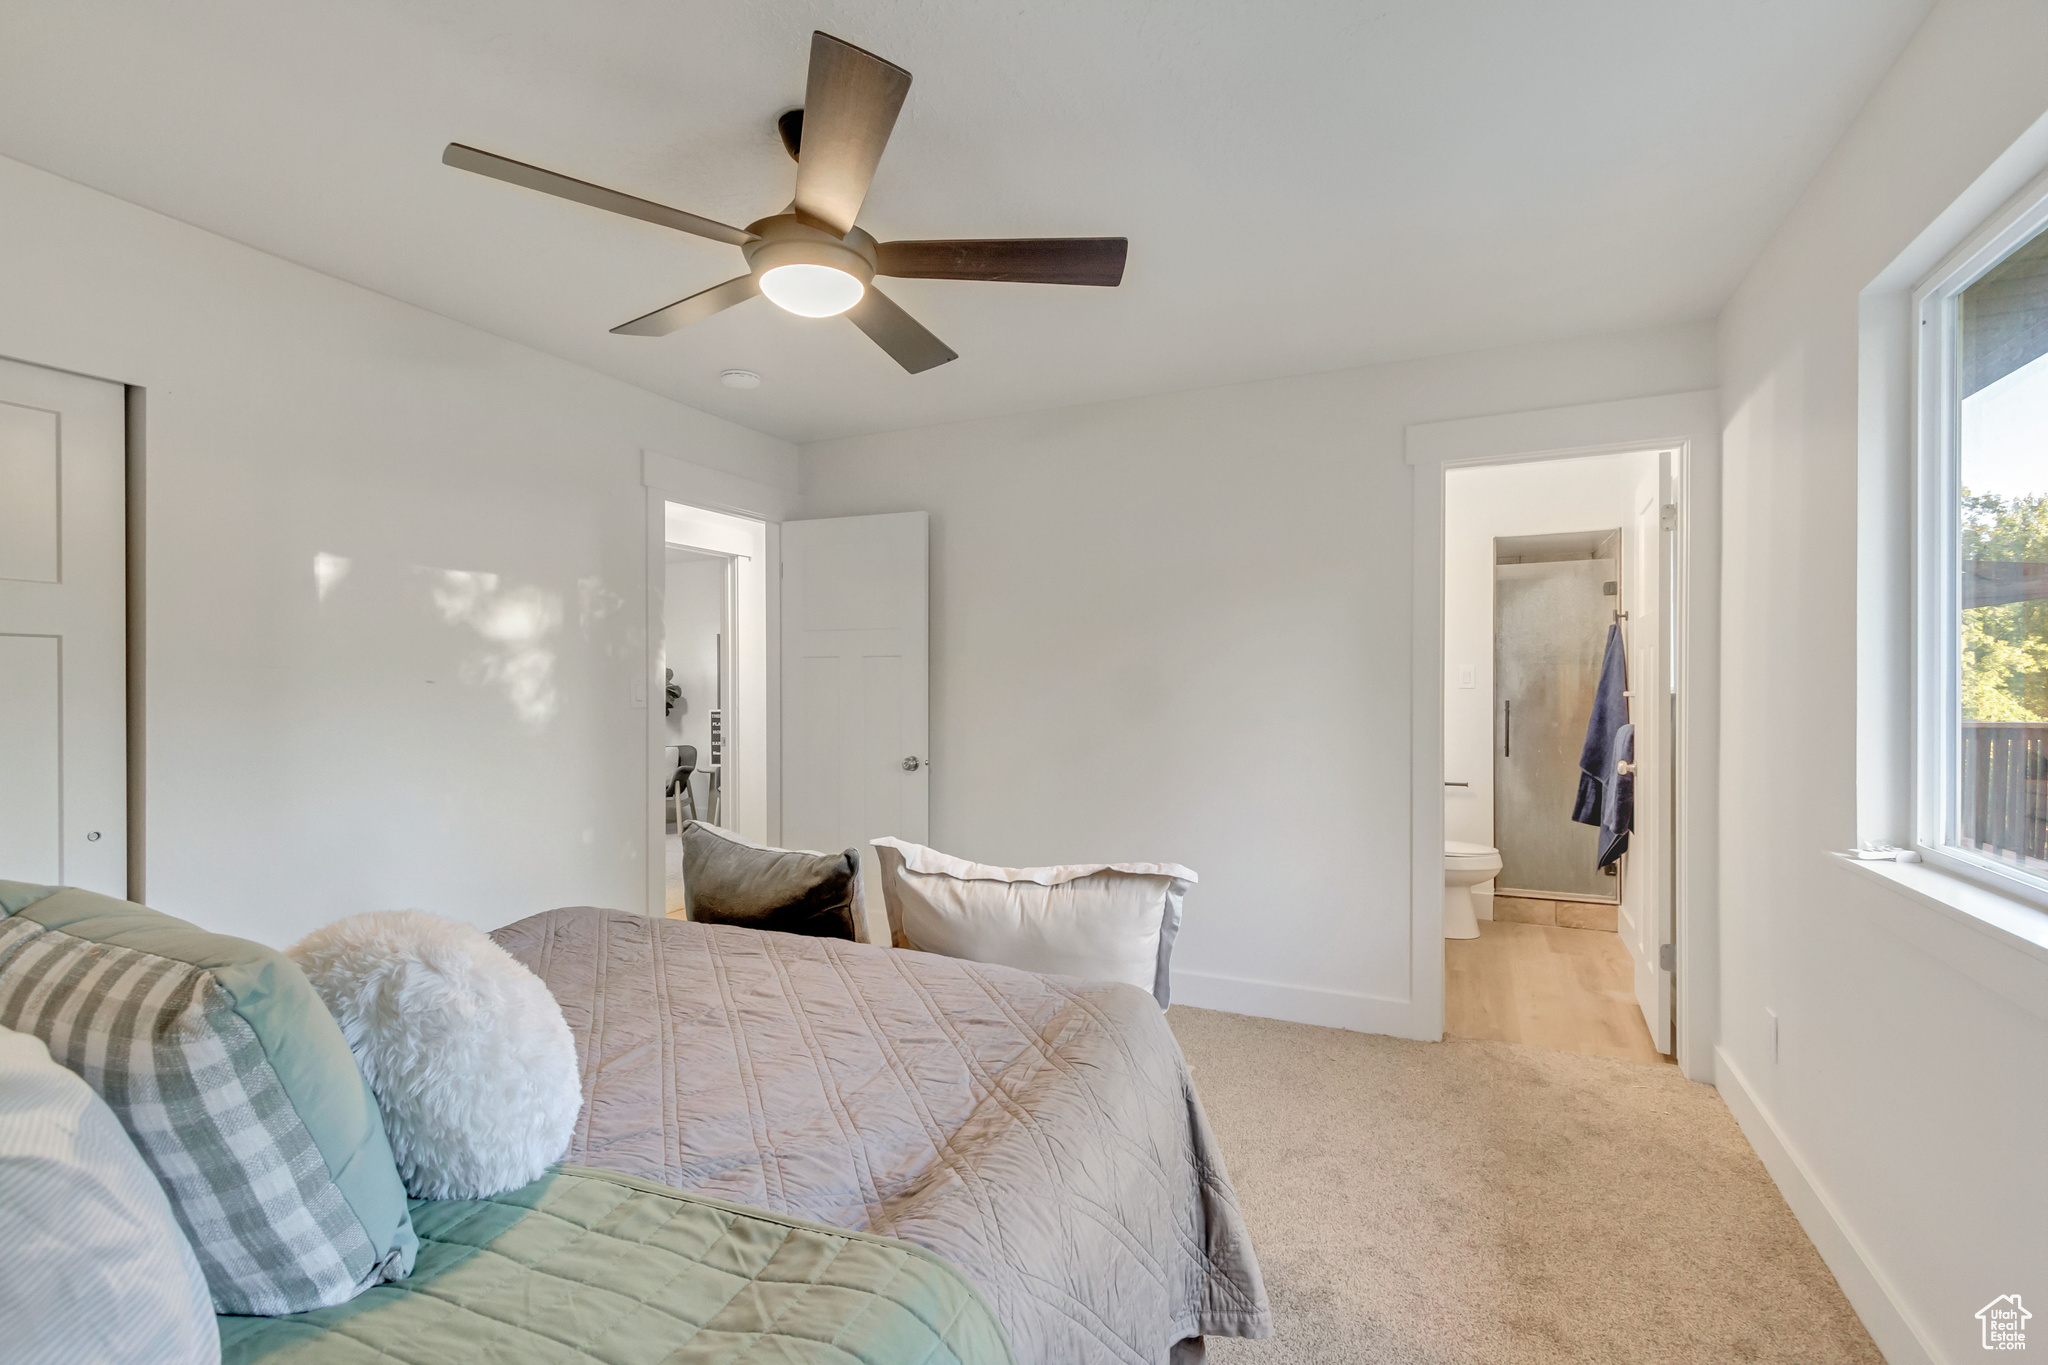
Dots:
pixel 2000 805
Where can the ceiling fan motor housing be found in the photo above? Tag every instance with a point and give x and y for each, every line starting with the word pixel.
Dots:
pixel 787 240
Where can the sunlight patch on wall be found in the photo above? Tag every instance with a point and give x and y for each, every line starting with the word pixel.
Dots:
pixel 516 622
pixel 595 602
pixel 328 571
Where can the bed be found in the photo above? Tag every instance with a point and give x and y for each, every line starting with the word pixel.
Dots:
pixel 595 1268
pixel 1042 1136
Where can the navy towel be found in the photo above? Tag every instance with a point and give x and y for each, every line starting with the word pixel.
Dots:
pixel 1618 808
pixel 1601 800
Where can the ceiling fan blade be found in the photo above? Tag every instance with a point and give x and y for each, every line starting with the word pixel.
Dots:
pixel 683 312
pixel 583 192
pixel 898 333
pixel 850 106
pixel 1023 260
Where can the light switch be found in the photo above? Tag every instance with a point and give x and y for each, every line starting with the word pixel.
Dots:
pixel 1467 676
pixel 639 693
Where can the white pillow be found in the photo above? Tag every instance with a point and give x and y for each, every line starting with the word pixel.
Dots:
pixel 1095 921
pixel 97 1267
pixel 469 1056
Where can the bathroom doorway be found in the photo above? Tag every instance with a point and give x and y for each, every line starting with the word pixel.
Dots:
pixel 1559 707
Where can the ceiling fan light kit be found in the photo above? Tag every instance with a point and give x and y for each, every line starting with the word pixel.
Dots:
pixel 811 291
pixel 811 260
pixel 808 271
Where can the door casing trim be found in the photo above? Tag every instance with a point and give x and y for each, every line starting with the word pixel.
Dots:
pixel 667 479
pixel 1689 424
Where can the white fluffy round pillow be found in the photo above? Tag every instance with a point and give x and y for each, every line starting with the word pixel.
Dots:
pixel 469 1056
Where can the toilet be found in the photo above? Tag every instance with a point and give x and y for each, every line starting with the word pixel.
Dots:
pixel 1465 866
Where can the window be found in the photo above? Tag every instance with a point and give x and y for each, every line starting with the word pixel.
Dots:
pixel 1982 623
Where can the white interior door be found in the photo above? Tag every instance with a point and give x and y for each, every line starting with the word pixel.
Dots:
pixel 856 689
pixel 63 630
pixel 1646 921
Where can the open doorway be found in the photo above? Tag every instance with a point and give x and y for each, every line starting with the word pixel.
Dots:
pixel 1560 697
pixel 714 672
pixel 697 621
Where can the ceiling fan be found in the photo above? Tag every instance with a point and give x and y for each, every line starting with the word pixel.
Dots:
pixel 810 258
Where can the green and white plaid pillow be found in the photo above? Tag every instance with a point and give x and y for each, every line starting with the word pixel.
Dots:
pixel 234 1083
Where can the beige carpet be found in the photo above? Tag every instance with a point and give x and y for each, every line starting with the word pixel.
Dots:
pixel 1429 1203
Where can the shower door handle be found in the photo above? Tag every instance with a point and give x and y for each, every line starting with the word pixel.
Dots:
pixel 1507 730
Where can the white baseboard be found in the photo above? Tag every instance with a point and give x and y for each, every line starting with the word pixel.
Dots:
pixel 1300 1004
pixel 1869 1291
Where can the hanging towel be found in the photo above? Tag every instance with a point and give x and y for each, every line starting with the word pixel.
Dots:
pixel 1597 788
pixel 1618 798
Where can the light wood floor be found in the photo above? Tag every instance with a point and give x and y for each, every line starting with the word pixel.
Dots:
pixel 1570 989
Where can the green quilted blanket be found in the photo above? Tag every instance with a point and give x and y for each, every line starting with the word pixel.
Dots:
pixel 592 1266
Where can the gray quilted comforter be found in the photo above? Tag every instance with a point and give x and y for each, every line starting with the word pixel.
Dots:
pixel 1042 1135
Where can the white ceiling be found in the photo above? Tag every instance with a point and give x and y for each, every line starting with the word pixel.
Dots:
pixel 1306 186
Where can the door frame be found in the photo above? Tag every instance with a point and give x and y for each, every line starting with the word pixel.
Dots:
pixel 667 479
pixel 1688 424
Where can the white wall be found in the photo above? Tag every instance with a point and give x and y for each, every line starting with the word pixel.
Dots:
pixel 1553 496
pixel 1906 1109
pixel 451 726
pixel 1178 628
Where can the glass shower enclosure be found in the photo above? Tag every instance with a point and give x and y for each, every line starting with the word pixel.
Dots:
pixel 1554 597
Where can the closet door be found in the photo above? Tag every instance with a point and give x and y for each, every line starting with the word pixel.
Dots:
pixel 856 691
pixel 63 630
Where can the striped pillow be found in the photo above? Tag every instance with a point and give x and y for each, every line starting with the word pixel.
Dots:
pixel 97 1268
pixel 235 1084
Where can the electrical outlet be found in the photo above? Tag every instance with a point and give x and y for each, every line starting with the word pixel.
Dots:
pixel 1772 1015
pixel 1468 676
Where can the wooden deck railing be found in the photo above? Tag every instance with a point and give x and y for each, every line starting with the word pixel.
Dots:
pixel 2005 788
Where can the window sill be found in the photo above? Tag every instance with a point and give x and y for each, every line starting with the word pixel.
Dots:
pixel 2007 948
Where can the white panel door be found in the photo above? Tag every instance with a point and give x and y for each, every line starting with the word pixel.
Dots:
pixel 856 688
pixel 1646 895
pixel 63 630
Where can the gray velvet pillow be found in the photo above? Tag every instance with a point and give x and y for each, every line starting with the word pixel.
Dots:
pixel 729 880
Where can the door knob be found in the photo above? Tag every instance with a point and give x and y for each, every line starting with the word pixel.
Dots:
pixel 911 765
